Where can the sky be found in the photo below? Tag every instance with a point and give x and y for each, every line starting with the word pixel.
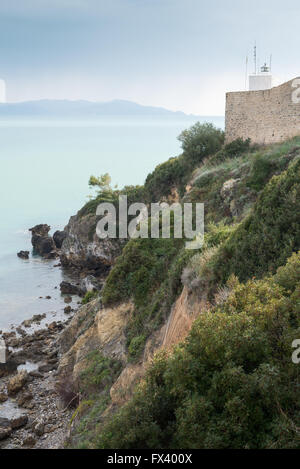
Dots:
pixel 179 54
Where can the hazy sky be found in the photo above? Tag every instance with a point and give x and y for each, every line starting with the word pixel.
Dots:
pixel 179 54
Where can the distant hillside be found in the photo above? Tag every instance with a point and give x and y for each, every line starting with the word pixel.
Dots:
pixel 50 108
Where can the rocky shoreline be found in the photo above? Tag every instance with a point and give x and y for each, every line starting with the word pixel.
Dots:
pixel 32 413
pixel 29 399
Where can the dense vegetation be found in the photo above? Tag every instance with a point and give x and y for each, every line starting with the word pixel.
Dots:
pixel 269 235
pixel 232 383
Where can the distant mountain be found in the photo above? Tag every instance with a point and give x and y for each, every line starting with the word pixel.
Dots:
pixel 62 108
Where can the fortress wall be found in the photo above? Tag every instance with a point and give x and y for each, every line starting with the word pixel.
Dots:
pixel 267 116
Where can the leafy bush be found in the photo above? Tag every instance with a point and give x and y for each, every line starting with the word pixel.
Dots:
pixel 262 167
pixel 140 270
pixel 166 176
pixel 143 273
pixel 232 150
pixel 89 296
pixel 200 141
pixel 94 382
pixel 99 373
pixel 136 345
pixel 237 147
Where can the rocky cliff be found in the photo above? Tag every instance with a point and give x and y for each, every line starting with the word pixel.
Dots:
pixel 154 290
pixel 83 251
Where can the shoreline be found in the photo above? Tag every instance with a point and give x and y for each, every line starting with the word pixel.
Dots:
pixel 31 413
pixel 32 409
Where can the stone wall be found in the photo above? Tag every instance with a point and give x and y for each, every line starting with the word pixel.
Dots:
pixel 267 116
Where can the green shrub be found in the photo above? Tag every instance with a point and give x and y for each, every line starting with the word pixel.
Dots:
pixel 232 150
pixel 166 176
pixel 265 164
pixel 140 270
pixel 237 147
pixel 200 141
pixel 100 372
pixel 136 346
pixel 262 168
pixel 146 273
pixel 89 296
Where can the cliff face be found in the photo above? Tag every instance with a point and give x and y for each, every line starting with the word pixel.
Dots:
pixel 155 292
pixel 103 329
pixel 93 328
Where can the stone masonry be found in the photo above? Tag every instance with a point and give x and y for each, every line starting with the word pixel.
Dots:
pixel 265 117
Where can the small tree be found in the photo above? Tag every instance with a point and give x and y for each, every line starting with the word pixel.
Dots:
pixel 103 182
pixel 200 141
pixel 103 186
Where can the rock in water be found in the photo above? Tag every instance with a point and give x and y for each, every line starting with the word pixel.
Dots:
pixel 23 254
pixel 70 289
pixel 42 243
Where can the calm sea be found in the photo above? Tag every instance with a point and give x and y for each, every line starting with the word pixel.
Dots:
pixel 44 172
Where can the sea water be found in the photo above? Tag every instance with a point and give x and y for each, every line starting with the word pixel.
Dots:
pixel 44 171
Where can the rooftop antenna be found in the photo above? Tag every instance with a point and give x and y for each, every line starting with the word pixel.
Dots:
pixel 255 59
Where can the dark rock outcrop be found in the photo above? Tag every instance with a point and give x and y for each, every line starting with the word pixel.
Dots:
pixel 67 288
pixel 58 238
pixel 82 250
pixel 23 254
pixel 42 243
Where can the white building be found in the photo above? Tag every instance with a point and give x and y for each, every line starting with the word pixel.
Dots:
pixel 262 80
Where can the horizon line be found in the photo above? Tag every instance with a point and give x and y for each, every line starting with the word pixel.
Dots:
pixel 120 100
